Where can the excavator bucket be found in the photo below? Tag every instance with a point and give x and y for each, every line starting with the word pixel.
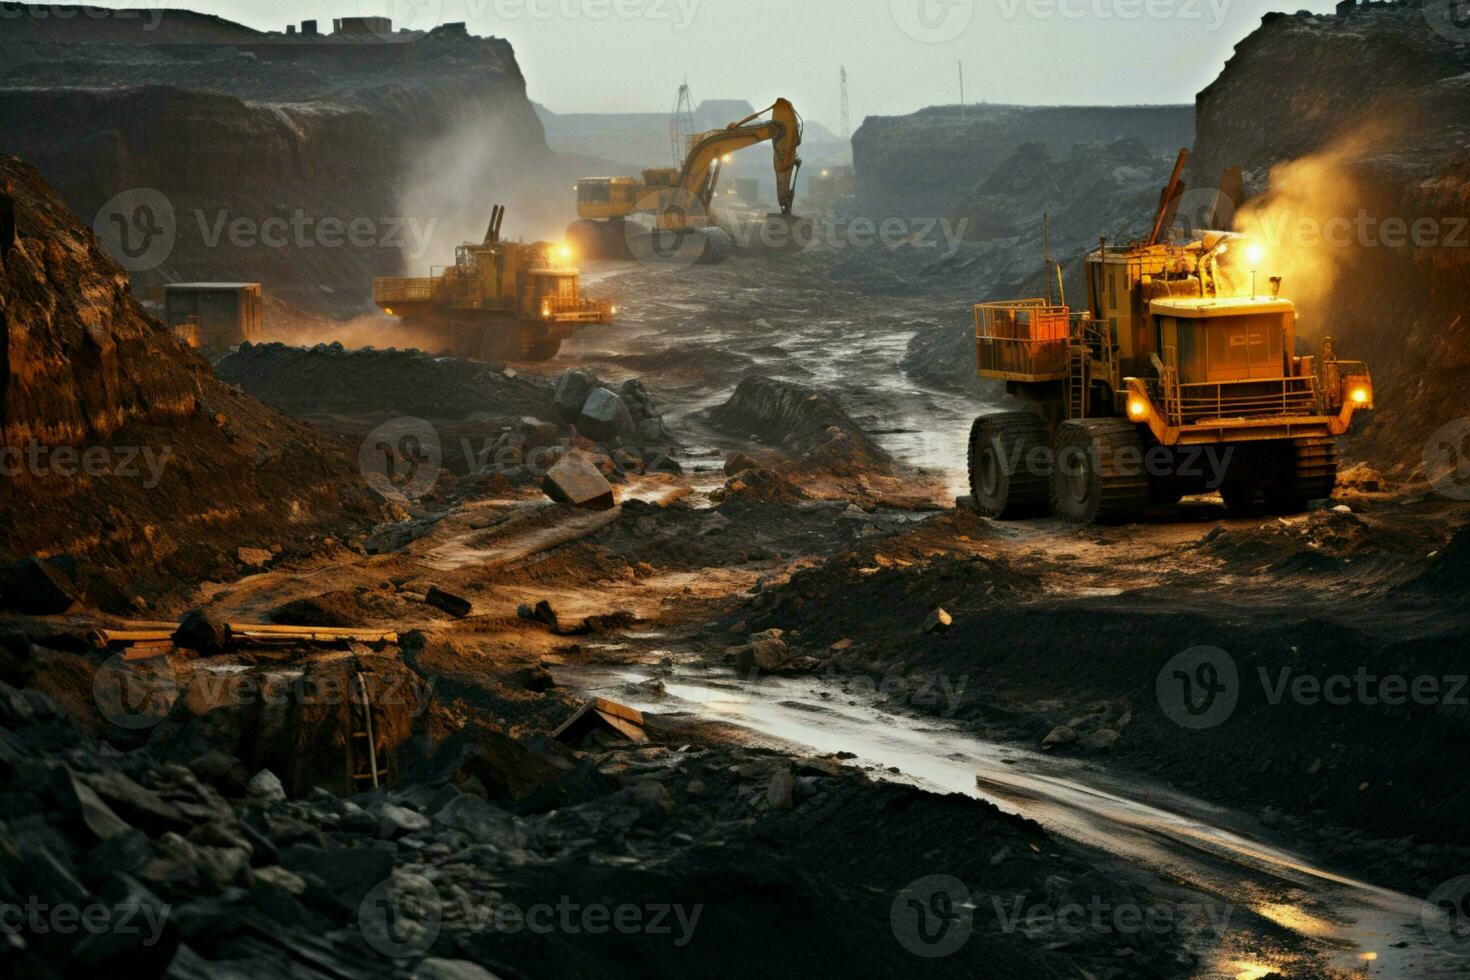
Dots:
pixel 779 234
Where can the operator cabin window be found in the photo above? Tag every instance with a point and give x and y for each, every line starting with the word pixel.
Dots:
pixel 593 192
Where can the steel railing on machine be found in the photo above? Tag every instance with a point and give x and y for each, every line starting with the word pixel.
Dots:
pixel 1023 340
pixel 1256 398
pixel 1187 403
pixel 403 290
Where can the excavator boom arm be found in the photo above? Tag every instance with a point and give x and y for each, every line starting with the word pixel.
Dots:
pixel 784 129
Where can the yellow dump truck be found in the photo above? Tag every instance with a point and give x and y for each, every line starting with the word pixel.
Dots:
pixel 1180 377
pixel 499 301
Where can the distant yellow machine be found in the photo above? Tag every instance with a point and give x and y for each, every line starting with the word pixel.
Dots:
pixel 1180 377
pixel 679 198
pixel 499 301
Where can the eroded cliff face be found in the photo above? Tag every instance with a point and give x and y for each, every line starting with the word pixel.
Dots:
pixel 120 448
pixel 931 163
pixel 1354 135
pixel 308 165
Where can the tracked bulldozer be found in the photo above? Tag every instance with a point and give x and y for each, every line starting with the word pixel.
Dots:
pixel 1179 377
pixel 679 200
pixel 500 300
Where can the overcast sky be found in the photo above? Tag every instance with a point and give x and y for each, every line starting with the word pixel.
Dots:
pixel 901 55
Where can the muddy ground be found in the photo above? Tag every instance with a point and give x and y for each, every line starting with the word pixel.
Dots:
pixel 839 530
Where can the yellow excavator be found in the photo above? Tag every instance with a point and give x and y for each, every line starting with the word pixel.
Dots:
pixel 679 198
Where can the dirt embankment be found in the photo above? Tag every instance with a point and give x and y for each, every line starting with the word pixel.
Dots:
pixel 121 448
pixel 929 162
pixel 1364 199
pixel 308 165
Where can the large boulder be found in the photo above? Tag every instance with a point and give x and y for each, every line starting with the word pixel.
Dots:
pixel 203 632
pixel 576 480
pixel 40 588
pixel 605 417
pixel 571 393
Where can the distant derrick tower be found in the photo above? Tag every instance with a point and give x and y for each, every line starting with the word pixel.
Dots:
pixel 681 124
pixel 846 119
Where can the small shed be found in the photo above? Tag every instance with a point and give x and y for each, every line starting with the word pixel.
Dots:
pixel 213 315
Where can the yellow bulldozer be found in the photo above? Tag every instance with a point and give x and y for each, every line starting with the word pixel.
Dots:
pixel 679 199
pixel 1180 377
pixel 499 301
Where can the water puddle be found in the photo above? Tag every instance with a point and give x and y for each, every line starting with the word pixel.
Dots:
pixel 1355 925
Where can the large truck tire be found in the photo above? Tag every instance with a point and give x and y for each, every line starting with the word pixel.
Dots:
pixel 1006 481
pixel 1098 474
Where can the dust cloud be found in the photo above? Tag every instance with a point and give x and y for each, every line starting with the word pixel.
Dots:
pixel 489 156
pixel 1310 225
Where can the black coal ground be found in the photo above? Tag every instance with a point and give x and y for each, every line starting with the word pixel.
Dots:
pixel 794 866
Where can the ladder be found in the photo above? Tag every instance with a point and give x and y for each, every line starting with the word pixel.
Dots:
pixel 1079 361
pixel 364 762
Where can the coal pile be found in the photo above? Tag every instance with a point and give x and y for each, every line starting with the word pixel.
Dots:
pixel 804 422
pixel 331 379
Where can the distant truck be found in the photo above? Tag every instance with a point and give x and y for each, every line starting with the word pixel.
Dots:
pixel 213 316
pixel 499 301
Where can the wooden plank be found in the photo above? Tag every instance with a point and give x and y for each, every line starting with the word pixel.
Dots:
pixel 628 730
pixel 150 633
pixel 341 633
pixel 135 635
pixel 619 711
